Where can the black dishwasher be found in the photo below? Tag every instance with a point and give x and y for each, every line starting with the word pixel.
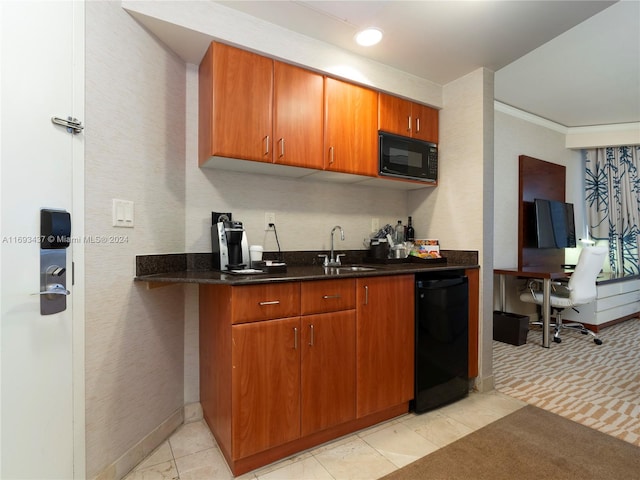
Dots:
pixel 442 339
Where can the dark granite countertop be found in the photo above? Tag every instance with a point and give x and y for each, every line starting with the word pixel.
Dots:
pixel 196 268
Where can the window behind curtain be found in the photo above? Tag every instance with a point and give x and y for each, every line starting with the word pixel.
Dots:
pixel 613 203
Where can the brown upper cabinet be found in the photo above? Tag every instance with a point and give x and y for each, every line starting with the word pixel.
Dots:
pixel 255 108
pixel 403 117
pixel 298 116
pixel 351 132
pixel 235 95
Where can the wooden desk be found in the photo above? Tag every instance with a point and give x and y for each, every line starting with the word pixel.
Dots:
pixel 533 272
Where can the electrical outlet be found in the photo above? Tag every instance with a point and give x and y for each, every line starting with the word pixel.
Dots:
pixel 269 217
pixel 375 224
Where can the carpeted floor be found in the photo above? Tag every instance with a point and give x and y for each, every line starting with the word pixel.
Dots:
pixel 595 385
pixel 530 443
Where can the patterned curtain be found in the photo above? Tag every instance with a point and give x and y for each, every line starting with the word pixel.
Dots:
pixel 612 179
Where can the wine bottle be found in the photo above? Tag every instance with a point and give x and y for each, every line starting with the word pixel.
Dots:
pixel 410 234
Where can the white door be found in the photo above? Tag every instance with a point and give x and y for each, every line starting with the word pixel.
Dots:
pixel 41 376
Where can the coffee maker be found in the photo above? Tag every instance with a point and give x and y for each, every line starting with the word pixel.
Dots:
pixel 229 244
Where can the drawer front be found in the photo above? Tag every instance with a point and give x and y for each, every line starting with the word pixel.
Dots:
pixel 618 288
pixel 265 302
pixel 617 300
pixel 327 296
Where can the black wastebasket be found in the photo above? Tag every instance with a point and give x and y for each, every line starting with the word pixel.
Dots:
pixel 510 328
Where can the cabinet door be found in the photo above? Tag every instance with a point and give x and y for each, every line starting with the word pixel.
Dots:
pixel 394 115
pixel 385 342
pixel 298 113
pixel 403 117
pixel 425 123
pixel 351 136
pixel 265 385
pixel 328 370
pixel 238 106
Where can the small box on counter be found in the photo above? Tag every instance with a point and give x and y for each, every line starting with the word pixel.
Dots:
pixel 426 248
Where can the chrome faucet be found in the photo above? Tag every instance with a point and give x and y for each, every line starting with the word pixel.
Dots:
pixel 334 261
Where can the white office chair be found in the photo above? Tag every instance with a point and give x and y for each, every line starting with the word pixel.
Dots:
pixel 580 289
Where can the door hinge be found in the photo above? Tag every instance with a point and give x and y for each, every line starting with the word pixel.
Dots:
pixel 73 125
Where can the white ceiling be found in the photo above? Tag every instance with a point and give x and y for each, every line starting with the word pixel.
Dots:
pixel 576 63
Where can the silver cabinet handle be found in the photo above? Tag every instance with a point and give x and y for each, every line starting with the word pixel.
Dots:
pixel 312 335
pixel 54 289
pixel 331 155
pixel 409 126
pixel 417 124
pixel 272 302
pixel 281 147
pixel 295 338
pixel 326 297
pixel 366 295
pixel 267 145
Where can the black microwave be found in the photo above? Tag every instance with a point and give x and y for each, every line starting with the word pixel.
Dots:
pixel 405 157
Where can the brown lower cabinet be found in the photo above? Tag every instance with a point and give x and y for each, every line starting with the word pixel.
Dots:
pixel 341 360
pixel 385 342
pixel 328 370
pixel 291 377
pixel 265 385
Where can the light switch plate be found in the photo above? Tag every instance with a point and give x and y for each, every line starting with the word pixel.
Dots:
pixel 122 213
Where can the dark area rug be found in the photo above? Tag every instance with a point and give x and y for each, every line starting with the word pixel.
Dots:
pixel 530 443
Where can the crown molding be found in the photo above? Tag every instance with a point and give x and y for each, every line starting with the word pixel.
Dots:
pixel 529 117
pixel 581 137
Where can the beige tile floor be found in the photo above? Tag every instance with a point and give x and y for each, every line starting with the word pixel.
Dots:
pixel 191 452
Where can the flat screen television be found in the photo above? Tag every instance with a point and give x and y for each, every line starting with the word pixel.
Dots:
pixel 555 224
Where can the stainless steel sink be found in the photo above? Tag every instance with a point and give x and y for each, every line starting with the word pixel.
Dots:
pixel 348 269
pixel 355 268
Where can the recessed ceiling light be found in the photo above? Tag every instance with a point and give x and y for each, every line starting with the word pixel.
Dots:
pixel 368 37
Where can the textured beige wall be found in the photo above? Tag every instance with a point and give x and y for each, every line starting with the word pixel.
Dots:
pixel 460 211
pixel 516 136
pixel 135 100
pixel 513 137
pixel 453 212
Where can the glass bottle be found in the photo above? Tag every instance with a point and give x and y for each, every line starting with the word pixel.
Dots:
pixel 399 232
pixel 410 234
